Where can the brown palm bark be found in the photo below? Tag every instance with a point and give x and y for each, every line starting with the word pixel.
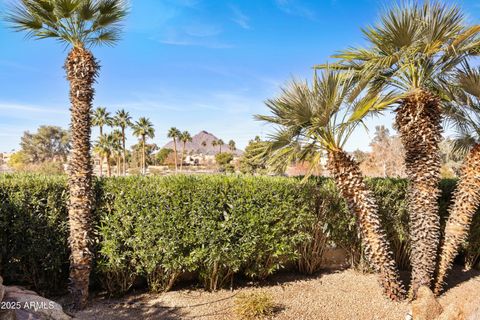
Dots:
pixel 361 203
pixel 466 201
pixel 82 69
pixel 418 120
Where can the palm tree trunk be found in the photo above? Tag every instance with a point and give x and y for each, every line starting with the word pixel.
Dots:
pixel 109 169
pixel 361 203
pixel 418 121
pixel 143 156
pixel 175 153
pixel 101 159
pixel 124 155
pixel 183 155
pixel 82 69
pixel 466 201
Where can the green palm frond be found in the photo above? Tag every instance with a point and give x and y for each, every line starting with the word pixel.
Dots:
pixel 75 22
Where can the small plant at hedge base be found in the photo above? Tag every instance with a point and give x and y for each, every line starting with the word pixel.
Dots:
pixel 254 305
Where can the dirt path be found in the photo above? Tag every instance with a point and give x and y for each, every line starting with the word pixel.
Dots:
pixel 339 295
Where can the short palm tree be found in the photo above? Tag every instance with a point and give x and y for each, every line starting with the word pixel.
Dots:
pixel 412 50
pixel 107 146
pixel 100 118
pixel 143 129
pixel 123 120
pixel 311 121
pixel 118 149
pixel 232 146
pixel 466 198
pixel 184 137
pixel 77 24
pixel 175 134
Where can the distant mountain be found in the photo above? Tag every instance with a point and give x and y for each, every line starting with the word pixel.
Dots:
pixel 197 147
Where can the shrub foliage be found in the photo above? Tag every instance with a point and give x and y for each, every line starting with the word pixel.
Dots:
pixel 214 227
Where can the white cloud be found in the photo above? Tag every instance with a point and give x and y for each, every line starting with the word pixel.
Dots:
pixel 292 7
pixel 240 18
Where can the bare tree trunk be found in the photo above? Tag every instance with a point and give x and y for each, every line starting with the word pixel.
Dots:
pixel 143 156
pixel 101 159
pixel 109 169
pixel 124 155
pixel 175 153
pixel 361 203
pixel 82 69
pixel 183 155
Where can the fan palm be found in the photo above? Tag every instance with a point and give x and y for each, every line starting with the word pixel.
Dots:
pixel 118 149
pixel 143 129
pixel 175 134
pixel 214 144
pixel 77 24
pixel 123 120
pixel 106 147
pixel 412 50
pixel 232 146
pixel 100 118
pixel 184 137
pixel 311 121
pixel 466 198
pixel 220 143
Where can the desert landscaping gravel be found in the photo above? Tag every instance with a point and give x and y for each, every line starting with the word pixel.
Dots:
pixel 341 295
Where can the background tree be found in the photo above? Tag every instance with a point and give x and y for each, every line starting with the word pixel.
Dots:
pixel 184 137
pixel 307 123
pixel 253 160
pixel 162 155
pixel 220 144
pixel 174 133
pixel 136 155
pixel 143 129
pixel 77 24
pixel 106 147
pixel 101 118
pixel 224 160
pixel 118 150
pixel 49 143
pixel 123 120
pixel 412 50
pixel 232 146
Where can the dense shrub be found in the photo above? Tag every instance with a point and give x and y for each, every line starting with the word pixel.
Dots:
pixel 213 226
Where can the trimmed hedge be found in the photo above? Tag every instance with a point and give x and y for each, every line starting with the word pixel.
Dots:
pixel 213 227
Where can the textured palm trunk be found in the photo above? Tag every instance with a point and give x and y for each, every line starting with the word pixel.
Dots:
pixel 175 153
pixel 82 69
pixel 101 158
pixel 418 121
pixel 466 201
pixel 124 154
pixel 144 170
pixel 361 203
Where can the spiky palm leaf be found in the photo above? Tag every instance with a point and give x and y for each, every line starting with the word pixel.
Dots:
pixel 414 49
pixel 77 24
pixel 311 120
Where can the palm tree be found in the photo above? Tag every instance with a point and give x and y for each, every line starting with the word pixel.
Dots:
pixel 79 25
pixel 214 144
pixel 184 137
pixel 107 146
pixel 308 124
pixel 232 146
pixel 412 50
pixel 118 149
pixel 100 118
pixel 143 129
pixel 123 120
pixel 466 198
pixel 175 134
pixel 220 143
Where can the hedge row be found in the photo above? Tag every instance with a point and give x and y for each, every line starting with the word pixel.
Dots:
pixel 212 227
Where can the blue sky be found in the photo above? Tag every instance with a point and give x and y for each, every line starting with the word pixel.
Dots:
pixel 193 64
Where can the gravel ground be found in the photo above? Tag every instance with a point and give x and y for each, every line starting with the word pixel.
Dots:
pixel 338 295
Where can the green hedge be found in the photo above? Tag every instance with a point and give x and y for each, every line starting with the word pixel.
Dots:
pixel 212 227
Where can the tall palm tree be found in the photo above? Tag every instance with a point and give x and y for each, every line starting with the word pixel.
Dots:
pixel 220 143
pixel 143 129
pixel 100 118
pixel 118 149
pixel 214 144
pixel 466 198
pixel 123 120
pixel 412 50
pixel 106 147
pixel 232 146
pixel 184 137
pixel 313 120
pixel 79 25
pixel 174 133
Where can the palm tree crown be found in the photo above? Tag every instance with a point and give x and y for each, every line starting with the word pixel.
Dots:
pixel 101 117
pixel 122 119
pixel 75 22
pixel 174 133
pixel 185 137
pixel 143 128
